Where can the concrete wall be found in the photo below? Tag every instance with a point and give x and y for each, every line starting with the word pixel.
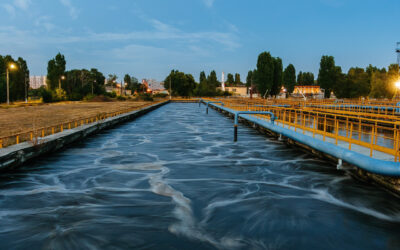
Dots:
pixel 16 155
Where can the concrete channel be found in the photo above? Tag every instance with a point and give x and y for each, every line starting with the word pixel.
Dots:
pixel 381 172
pixel 14 156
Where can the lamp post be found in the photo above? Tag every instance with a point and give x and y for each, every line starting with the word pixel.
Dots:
pixel 11 66
pixel 26 91
pixel 92 86
pixel 59 81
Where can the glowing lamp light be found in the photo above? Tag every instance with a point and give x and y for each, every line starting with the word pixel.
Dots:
pixel 12 66
pixel 397 84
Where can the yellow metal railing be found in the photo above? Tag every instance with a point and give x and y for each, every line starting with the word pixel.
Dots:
pixel 374 133
pixel 33 135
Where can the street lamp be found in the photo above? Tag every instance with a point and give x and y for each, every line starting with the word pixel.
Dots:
pixel 11 66
pixel 59 81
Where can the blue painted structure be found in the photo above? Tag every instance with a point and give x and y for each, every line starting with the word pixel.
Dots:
pixel 381 167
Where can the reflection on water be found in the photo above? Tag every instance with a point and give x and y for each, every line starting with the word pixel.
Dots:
pixel 174 179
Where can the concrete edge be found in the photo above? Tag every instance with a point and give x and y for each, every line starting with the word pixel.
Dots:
pixel 14 156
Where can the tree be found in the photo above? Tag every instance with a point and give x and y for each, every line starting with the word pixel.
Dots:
pixel 289 78
pixel 265 73
pixel 237 79
pixel 112 80
pixel 277 81
pixel 213 80
pixel 181 84
pixel 22 85
pixel 249 78
pixel 55 69
pixel 305 78
pixel 203 77
pixel 127 80
pixel 327 75
pixel 229 80
pixel 378 85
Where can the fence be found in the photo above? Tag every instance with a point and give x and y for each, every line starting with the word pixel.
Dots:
pixel 33 135
pixel 372 133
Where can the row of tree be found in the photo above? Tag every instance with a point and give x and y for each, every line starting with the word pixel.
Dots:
pixel 233 81
pixel 268 78
pixel 18 78
pixel 77 83
pixel 183 84
pixel 357 82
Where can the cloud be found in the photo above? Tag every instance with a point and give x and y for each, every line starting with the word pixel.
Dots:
pixel 22 4
pixel 44 22
pixel 209 3
pixel 10 9
pixel 73 12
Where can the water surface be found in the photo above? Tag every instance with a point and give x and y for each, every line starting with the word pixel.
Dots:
pixel 173 179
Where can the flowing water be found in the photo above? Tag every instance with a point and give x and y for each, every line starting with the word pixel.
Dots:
pixel 173 179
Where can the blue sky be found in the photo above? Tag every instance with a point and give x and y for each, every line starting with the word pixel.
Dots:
pixel 148 38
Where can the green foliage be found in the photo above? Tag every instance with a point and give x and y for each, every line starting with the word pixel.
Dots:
pixel 181 84
pixel 160 95
pixel 305 78
pixel 212 80
pixel 55 69
pixel 203 77
pixel 89 97
pixel 237 79
pixel 18 78
pixel 328 74
pixel 112 80
pixel 132 83
pixel 145 97
pixel 278 76
pixel 46 95
pixel 121 98
pixel 265 73
pixel 59 95
pixel 268 75
pixel 111 95
pixel 289 78
pixel 249 78
pixel 379 85
pixel 230 80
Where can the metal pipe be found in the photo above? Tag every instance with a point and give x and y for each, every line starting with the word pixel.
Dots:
pixel 238 113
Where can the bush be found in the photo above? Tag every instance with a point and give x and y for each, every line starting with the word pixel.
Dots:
pixel 75 96
pixel 160 95
pixel 46 95
pixel 88 97
pixel 59 95
pixel 112 94
pixel 146 97
pixel 121 98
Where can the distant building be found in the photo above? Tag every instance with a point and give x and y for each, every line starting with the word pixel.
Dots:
pixel 117 90
pixel 154 86
pixel 36 82
pixel 237 90
pixel 308 91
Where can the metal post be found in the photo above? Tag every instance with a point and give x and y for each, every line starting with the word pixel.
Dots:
pixel 235 130
pixel 170 89
pixel 8 87
pixel 26 92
